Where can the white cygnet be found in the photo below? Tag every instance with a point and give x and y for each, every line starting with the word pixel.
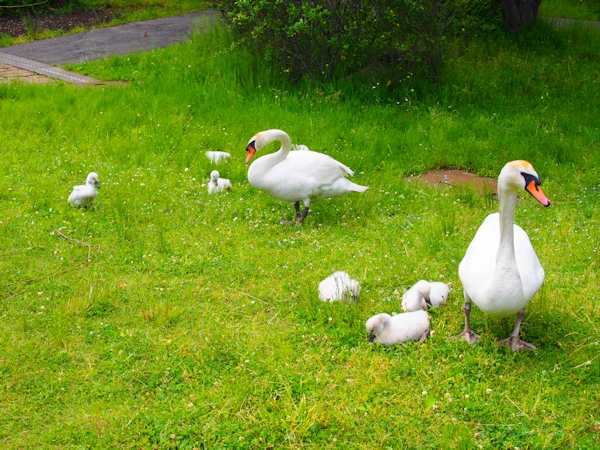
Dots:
pixel 339 287
pixel 416 297
pixel 438 293
pixel 217 184
pixel 217 156
pixel 390 330
pixel 85 194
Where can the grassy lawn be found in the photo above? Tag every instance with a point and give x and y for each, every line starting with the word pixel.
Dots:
pixel 574 9
pixel 179 320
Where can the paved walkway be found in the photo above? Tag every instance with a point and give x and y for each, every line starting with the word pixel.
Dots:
pixel 565 23
pixel 36 57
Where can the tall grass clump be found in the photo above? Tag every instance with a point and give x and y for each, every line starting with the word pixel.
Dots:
pixel 175 319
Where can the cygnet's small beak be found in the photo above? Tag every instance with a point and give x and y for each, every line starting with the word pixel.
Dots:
pixel 251 149
pixel 355 299
pixel 96 183
pixel 372 338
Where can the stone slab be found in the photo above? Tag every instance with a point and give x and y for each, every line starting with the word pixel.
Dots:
pixel 16 65
pixel 10 73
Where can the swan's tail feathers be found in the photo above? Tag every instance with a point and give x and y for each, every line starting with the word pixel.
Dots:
pixel 358 188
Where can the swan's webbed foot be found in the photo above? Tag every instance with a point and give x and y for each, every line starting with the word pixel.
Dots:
pixel 299 217
pixel 516 344
pixel 468 336
pixel 513 341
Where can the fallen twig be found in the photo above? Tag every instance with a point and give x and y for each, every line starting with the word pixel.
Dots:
pixel 255 298
pixel 77 241
pixel 587 363
pixel 271 319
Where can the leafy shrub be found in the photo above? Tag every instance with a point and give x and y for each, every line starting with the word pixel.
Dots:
pixel 23 7
pixel 475 17
pixel 319 39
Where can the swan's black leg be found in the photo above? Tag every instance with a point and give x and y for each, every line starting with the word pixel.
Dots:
pixel 468 334
pixel 304 214
pixel 513 341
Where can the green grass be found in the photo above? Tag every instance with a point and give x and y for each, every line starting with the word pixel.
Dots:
pixel 196 322
pixel 574 9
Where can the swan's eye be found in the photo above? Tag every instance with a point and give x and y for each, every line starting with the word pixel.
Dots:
pixel 529 178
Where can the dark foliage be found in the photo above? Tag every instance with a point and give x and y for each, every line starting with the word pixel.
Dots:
pixel 321 39
pixel 28 7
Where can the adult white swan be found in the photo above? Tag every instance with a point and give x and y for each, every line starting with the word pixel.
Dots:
pixel 501 272
pixel 296 176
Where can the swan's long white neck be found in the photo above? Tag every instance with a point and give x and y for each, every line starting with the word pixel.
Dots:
pixel 508 202
pixel 265 163
pixel 506 278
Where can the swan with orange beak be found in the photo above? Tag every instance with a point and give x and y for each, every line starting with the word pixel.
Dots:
pixel 296 176
pixel 500 271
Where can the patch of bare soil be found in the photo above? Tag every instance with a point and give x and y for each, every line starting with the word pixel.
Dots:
pixel 21 26
pixel 455 178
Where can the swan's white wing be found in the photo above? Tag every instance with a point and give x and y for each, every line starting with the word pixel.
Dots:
pixel 306 175
pixel 530 268
pixel 476 269
pixel 300 148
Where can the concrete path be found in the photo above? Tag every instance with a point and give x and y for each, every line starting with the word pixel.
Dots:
pixel 101 43
pixel 560 22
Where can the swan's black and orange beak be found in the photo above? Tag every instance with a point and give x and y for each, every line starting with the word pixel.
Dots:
pixel 532 185
pixel 251 149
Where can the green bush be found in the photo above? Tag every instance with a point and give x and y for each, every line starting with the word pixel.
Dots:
pixel 476 17
pixel 23 7
pixel 321 39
